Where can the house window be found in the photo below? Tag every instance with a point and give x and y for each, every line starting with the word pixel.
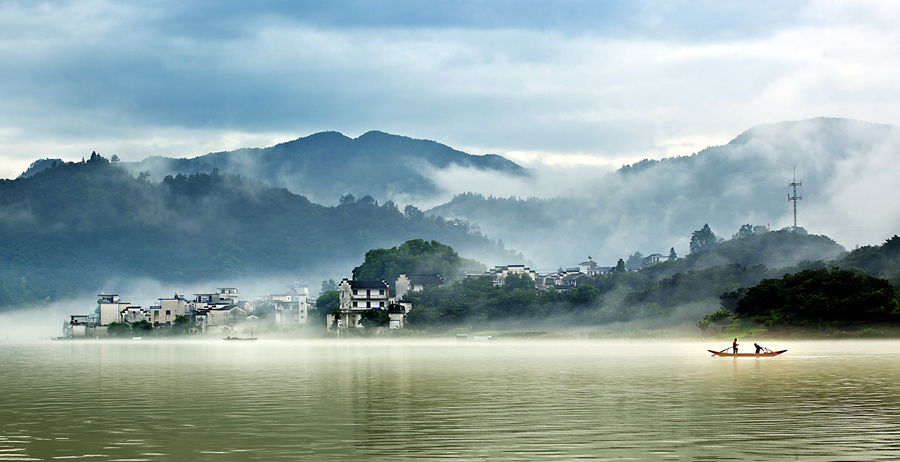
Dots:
pixel 381 292
pixel 354 304
pixel 368 304
pixel 381 304
pixel 168 312
pixel 355 292
pixel 368 293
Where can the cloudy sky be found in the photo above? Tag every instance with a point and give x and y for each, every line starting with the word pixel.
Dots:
pixel 543 83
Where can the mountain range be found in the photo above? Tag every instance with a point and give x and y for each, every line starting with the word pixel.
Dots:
pixel 255 211
pixel 847 170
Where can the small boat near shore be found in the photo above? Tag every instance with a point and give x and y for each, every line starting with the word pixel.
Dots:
pixel 251 337
pixel 747 355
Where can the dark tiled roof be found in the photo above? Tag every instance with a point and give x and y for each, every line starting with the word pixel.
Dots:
pixel 426 279
pixel 368 285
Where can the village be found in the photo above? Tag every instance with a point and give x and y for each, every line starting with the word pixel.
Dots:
pixel 223 312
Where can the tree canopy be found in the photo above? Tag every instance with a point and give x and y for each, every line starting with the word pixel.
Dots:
pixel 821 295
pixel 416 256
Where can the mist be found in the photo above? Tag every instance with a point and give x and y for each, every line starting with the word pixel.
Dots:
pixel 559 216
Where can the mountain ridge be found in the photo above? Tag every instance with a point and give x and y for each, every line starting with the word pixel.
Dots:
pixel 327 165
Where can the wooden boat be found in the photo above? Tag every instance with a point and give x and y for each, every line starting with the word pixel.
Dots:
pixel 251 337
pixel 747 355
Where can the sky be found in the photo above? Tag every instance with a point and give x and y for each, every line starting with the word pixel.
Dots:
pixel 560 84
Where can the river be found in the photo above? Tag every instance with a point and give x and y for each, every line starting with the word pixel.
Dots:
pixel 446 400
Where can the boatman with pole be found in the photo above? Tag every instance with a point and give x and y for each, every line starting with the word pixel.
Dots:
pixel 734 346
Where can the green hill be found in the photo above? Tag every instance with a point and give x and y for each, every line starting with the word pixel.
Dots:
pixel 67 229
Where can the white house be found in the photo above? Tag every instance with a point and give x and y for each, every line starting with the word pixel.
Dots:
pixel 168 309
pixel 356 297
pixel 110 307
pixel 291 307
pixel 655 258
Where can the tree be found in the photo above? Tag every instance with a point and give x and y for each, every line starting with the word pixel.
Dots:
pixel 584 294
pixel 114 159
pixel 620 266
pixel 142 327
pixel 672 255
pixel 416 256
pixel 327 302
pixel 181 325
pixel 518 281
pixel 635 261
pixel 328 286
pixel 703 239
pixel 347 200
pixel 118 329
pixel 746 230
pixel 374 318
pixel 412 212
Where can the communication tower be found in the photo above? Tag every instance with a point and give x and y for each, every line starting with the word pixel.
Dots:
pixel 795 197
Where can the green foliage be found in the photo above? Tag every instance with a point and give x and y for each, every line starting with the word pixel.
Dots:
pixel 635 261
pixel 814 296
pixel 326 303
pixel 180 326
pixel 703 239
pixel 118 329
pixel 142 328
pixel 584 295
pixel 374 318
pixel 415 256
pixel 328 285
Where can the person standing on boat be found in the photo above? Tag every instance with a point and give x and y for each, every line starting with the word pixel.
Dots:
pixel 734 346
pixel 758 348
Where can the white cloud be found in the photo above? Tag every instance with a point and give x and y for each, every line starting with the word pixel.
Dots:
pixel 181 81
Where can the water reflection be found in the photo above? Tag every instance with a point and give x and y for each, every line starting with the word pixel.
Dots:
pixel 324 400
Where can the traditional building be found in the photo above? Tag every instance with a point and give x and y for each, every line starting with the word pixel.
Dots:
pixel 499 273
pixel 414 282
pixel 356 297
pixel 291 307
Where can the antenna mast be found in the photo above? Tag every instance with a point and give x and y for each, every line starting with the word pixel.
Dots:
pixel 794 184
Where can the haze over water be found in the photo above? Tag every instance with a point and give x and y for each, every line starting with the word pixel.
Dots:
pixel 426 400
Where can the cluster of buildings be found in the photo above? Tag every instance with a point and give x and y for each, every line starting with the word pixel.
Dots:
pixel 357 297
pixel 221 311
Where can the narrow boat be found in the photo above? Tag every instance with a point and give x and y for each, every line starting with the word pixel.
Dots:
pixel 747 355
pixel 251 337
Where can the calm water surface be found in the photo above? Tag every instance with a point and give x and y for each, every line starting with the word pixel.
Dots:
pixel 419 400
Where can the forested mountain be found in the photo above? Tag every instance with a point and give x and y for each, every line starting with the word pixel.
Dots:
pixel 327 165
pixel 67 229
pixel 846 168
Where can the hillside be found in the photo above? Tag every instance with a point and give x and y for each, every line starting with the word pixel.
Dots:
pixel 325 166
pixel 846 168
pixel 70 228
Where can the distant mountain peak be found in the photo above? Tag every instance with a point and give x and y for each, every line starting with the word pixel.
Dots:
pixel 326 165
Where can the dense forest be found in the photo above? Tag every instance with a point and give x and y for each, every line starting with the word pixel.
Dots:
pixel 67 229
